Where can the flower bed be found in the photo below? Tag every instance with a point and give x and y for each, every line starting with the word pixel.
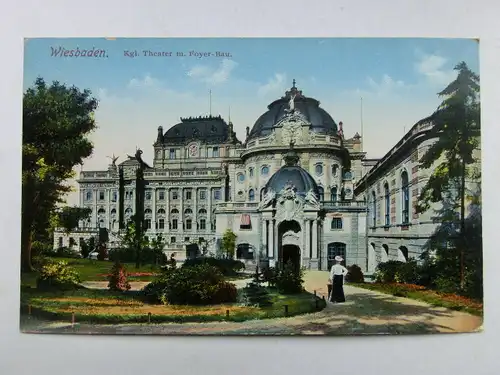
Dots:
pixel 418 292
pixel 105 307
pixel 131 274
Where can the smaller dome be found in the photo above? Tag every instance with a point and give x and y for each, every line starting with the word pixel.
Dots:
pixel 292 174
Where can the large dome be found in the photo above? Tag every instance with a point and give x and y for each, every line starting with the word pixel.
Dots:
pixel 292 174
pixel 321 121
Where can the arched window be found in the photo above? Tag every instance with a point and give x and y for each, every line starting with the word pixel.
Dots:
pixel 387 197
pixel 403 254
pixel 113 211
pixel 174 211
pixel 262 191
pixel 334 194
pixel 128 211
pixel 161 211
pixel 321 192
pixel 88 195
pixel 148 211
pixel 384 253
pixel 243 251
pixel 264 170
pixel 101 211
pixel 348 176
pixel 251 195
pixel 202 211
pixel 318 169
pixel 405 198
pixel 188 211
pixel 334 249
pixel 374 209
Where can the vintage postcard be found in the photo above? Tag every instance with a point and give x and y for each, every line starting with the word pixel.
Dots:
pixel 277 186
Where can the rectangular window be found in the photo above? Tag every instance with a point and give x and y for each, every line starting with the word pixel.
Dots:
pixel 175 195
pixel 188 194
pixel 336 223
pixel 215 152
pixel 147 223
pixel 203 224
pixel 161 224
pixel 174 224
pixel 203 194
pixel 101 195
pixel 186 239
pixel 188 224
pixel 161 195
pixel 115 196
pixel 217 194
pixel 172 153
pixel 172 239
pixel 88 195
pixel 148 194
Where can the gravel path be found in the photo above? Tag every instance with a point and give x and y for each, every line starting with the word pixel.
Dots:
pixel 365 312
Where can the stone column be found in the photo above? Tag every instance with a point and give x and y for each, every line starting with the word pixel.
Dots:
pixel 209 208
pixel 315 240
pixel 307 240
pixel 167 210
pixel 153 217
pixel 271 240
pixel 194 196
pixel 181 211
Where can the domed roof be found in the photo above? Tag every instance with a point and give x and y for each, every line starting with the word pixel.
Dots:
pixel 321 121
pixel 292 174
pixel 210 129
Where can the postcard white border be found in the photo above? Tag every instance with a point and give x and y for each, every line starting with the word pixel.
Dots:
pixel 49 354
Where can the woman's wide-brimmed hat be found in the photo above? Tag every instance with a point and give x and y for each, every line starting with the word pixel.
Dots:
pixel 338 258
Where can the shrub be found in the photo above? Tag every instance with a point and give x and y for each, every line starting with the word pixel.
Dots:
pixel 228 267
pixel 408 273
pixel 195 285
pixel 65 252
pixel 39 248
pixel 354 274
pixel 58 275
pixel 269 275
pixel 127 255
pixel 289 279
pixel 386 272
pixel 102 252
pixel 118 278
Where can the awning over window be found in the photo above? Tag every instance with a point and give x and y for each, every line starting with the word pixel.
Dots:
pixel 245 220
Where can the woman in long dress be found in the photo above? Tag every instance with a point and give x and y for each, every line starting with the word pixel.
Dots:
pixel 337 274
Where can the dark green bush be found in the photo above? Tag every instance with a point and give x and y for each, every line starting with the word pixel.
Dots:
pixel 289 280
pixel 228 267
pixel 41 249
pixel 196 285
pixel 256 295
pixel 65 252
pixel 269 275
pixel 408 273
pixel 386 272
pixel 127 255
pixel 354 274
pixel 57 275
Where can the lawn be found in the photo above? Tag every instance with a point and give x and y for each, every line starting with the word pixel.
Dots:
pixel 96 270
pixel 104 307
pixel 432 297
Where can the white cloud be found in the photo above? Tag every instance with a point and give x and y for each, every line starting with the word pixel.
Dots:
pixel 213 76
pixel 384 87
pixel 274 84
pixel 147 81
pixel 433 68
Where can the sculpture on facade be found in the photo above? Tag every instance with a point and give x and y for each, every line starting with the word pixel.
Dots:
pixel 267 199
pixel 311 199
pixel 113 159
pixel 291 103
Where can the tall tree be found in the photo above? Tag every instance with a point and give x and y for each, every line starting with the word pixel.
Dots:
pixel 229 243
pixel 56 122
pixel 456 128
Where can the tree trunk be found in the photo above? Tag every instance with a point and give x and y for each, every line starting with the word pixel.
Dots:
pixel 26 241
pixel 463 237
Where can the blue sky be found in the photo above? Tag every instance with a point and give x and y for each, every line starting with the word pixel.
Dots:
pixel 397 78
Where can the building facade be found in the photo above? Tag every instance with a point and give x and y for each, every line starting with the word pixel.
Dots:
pixel 296 189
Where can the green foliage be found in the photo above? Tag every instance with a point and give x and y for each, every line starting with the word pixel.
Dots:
pixel 269 275
pixel 128 255
pixel 57 275
pixel 69 217
pixel 229 243
pixel 134 242
pixel 256 295
pixel 394 271
pixel 197 285
pixel 56 122
pixel 228 267
pixel 354 274
pixel 39 248
pixel 64 252
pixel 157 245
pixel 118 278
pixel 289 280
pixel 87 246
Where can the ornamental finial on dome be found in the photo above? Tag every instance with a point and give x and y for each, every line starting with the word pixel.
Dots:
pixel 291 158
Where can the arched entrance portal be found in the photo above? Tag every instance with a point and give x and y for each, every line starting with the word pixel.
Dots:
pixel 291 253
pixel 289 240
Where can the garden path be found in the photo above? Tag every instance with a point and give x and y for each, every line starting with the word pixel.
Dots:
pixel 365 312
